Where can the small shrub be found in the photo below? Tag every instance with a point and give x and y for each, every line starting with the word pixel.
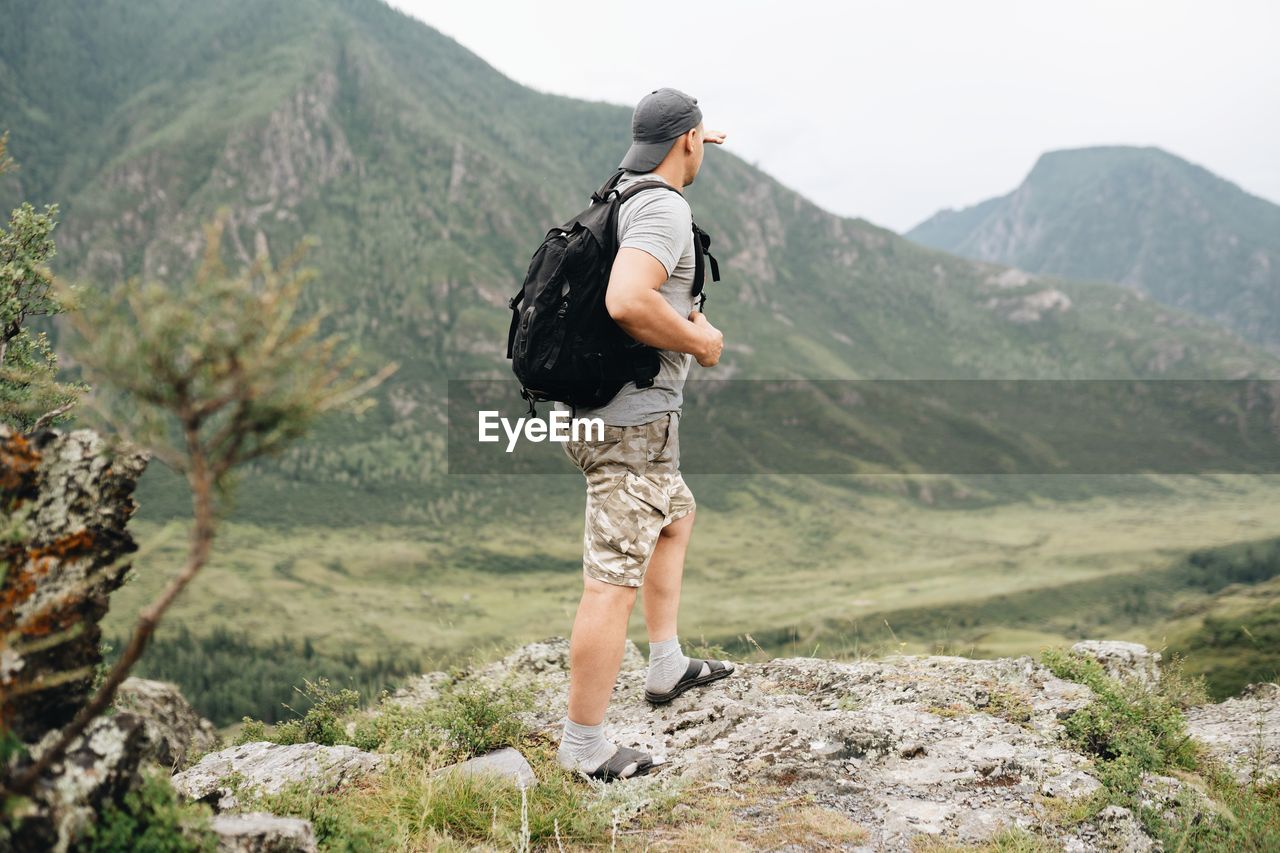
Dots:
pixel 151 819
pixel 322 723
pixel 1130 727
pixel 400 729
pixel 251 731
pixel 477 719
pixel 1180 686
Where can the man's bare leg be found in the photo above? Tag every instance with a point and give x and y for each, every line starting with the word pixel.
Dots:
pixel 663 577
pixel 595 656
pixel 596 646
pixel 667 662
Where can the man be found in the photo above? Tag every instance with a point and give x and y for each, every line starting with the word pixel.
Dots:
pixel 640 513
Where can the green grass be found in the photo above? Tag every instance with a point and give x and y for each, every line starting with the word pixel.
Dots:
pixel 411 805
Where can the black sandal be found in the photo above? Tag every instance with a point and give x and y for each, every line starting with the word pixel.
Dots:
pixel 715 671
pixel 614 766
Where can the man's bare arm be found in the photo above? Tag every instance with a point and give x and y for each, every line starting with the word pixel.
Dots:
pixel 633 301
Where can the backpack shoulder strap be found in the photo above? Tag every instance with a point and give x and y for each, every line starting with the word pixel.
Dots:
pixel 702 246
pixel 607 187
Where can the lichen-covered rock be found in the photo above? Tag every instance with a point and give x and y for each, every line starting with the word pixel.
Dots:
pixel 99 768
pixel 1113 828
pixel 68 496
pixel 1122 660
pixel 1244 732
pixel 65 499
pixel 174 730
pixel 261 767
pixel 262 832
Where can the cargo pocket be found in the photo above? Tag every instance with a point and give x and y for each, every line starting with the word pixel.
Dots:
pixel 629 520
pixel 589 452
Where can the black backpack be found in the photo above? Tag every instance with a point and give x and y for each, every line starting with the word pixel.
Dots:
pixel 562 343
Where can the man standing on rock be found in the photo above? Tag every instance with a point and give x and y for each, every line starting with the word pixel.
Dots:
pixel 639 511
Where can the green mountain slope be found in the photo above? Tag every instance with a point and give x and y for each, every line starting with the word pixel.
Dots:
pixel 429 179
pixel 1138 216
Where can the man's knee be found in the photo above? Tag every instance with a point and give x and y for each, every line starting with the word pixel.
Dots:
pixel 680 527
pixel 612 593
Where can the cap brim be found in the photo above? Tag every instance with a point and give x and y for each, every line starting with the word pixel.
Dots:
pixel 644 156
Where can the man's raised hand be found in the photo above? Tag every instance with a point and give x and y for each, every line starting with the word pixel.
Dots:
pixel 715 137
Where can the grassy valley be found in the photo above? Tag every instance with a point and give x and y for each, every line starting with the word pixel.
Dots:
pixel 850 574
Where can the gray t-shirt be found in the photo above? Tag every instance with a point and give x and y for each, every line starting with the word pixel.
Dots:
pixel 660 222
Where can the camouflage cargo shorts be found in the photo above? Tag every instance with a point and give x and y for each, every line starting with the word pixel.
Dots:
pixel 634 489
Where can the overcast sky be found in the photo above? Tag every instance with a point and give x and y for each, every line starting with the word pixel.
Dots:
pixel 892 110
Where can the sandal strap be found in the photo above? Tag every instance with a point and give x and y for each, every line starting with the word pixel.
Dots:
pixel 616 763
pixel 695 667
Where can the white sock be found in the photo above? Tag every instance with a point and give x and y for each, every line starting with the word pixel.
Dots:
pixel 584 746
pixel 666 665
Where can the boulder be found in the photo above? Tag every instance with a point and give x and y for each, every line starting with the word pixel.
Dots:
pixel 69 497
pixel 1122 660
pixel 1244 732
pixel 262 832
pixel 260 767
pixel 174 730
pixel 506 763
pixel 99 768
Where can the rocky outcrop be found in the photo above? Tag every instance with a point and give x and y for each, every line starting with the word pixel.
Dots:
pixel 1122 660
pixel 100 767
pixel 904 746
pixel 1244 732
pixel 261 767
pixel 65 499
pixel 175 732
pixel 907 747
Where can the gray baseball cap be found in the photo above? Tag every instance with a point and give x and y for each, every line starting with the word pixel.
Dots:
pixel 660 117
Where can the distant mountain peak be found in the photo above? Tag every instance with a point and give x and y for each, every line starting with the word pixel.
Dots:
pixel 1138 216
